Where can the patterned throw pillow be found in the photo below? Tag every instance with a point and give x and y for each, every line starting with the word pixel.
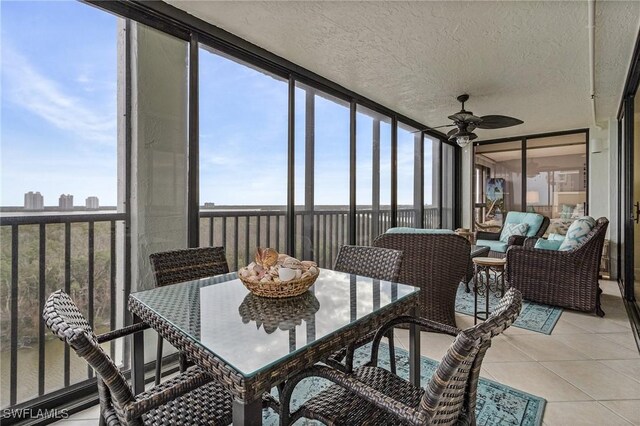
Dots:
pixel 510 229
pixel 543 244
pixel 577 233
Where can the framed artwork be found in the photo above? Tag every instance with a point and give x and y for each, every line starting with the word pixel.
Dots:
pixel 494 200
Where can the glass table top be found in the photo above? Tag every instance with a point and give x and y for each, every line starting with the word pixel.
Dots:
pixel 250 332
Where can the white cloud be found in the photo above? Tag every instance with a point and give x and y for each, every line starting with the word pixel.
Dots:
pixel 30 89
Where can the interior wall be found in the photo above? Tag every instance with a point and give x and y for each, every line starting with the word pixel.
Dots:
pixel 159 148
pixel 159 90
pixel 599 175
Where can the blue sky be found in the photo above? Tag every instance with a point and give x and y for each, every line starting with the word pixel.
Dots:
pixel 58 102
pixel 59 124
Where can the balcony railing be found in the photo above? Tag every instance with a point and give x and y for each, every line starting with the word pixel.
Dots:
pixel 82 253
pixel 41 253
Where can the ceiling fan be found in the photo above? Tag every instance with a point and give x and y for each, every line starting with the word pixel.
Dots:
pixel 465 123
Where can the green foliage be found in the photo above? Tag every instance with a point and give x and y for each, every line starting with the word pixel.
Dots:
pixel 29 264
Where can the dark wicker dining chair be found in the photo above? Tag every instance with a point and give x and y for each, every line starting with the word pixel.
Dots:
pixel 175 266
pixel 374 396
pixel 374 262
pixel 435 263
pixel 190 398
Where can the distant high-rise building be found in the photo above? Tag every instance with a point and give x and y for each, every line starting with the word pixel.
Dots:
pixel 33 201
pixel 92 203
pixel 65 202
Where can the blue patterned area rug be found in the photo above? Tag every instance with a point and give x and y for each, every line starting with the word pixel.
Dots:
pixel 497 404
pixel 534 316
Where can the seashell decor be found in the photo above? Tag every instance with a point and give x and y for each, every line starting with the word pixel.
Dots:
pixel 271 268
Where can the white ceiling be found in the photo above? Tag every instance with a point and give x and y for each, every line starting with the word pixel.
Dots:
pixel 529 60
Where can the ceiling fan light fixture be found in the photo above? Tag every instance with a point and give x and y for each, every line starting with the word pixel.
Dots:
pixel 463 138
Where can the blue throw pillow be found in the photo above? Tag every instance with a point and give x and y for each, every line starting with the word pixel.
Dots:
pixel 510 229
pixel 577 233
pixel 543 244
pixel 555 237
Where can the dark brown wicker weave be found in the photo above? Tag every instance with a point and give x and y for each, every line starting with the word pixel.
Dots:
pixel 175 266
pixel 190 398
pixel 561 278
pixel 435 263
pixel 253 387
pixel 375 262
pixel 375 396
pixel 514 240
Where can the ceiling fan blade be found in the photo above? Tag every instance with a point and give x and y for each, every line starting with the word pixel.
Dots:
pixel 452 132
pixel 497 122
pixel 465 117
pixel 433 128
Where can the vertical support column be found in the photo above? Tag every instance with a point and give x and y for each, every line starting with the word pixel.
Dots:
pixel 523 195
pixel 291 173
pixel 352 174
pixel 418 180
pixel 375 179
pixel 193 202
pixel 309 174
pixel 394 171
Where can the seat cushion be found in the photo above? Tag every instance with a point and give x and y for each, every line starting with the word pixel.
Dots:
pixel 493 245
pixel 577 233
pixel 510 229
pixel 406 230
pixel 534 220
pixel 543 244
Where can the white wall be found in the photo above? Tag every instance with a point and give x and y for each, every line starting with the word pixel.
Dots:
pixel 159 90
pixel 599 176
pixel 466 175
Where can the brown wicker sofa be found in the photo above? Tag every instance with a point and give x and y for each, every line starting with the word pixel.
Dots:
pixel 434 262
pixel 561 278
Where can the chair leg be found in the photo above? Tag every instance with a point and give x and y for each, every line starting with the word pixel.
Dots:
pixel 392 352
pixel 599 310
pixel 102 421
pixel 184 362
pixel 158 360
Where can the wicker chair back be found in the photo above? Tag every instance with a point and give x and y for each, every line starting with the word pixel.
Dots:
pixel 63 318
pixel 436 264
pixel 375 262
pixel 176 266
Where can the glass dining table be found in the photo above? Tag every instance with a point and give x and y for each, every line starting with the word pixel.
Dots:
pixel 252 344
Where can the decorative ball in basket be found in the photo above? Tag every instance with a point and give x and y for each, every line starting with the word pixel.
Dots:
pixel 278 275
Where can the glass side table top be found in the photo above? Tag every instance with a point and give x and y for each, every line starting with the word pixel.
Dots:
pixel 250 332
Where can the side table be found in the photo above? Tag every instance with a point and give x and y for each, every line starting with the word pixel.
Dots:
pixel 483 267
pixel 476 251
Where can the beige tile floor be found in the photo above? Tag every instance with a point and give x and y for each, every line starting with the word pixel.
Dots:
pixel 588 369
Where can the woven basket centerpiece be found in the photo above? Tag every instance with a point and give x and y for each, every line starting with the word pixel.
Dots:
pixel 278 275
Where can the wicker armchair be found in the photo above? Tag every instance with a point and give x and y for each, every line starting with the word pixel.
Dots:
pixel 435 263
pixel 488 238
pixel 373 395
pixel 175 266
pixel 378 263
pixel 561 278
pixel 189 398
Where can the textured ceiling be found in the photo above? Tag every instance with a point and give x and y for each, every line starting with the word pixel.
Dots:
pixel 529 60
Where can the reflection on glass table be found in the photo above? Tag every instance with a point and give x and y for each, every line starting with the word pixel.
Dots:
pixel 284 314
